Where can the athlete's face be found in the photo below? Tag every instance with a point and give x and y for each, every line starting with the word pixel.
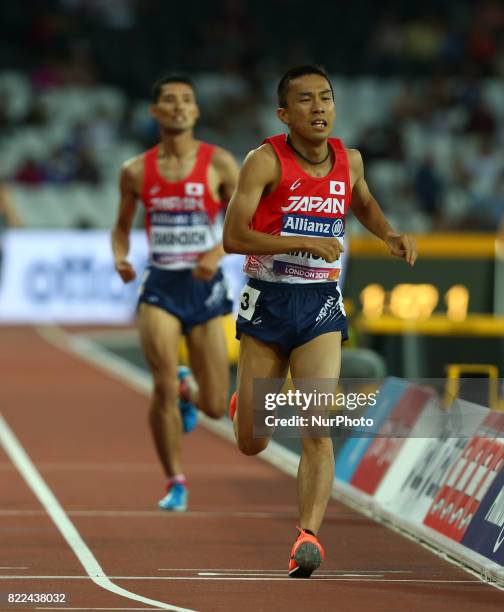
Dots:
pixel 310 110
pixel 176 108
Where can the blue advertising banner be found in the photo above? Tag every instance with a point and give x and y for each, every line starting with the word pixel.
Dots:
pixel 355 448
pixel 485 534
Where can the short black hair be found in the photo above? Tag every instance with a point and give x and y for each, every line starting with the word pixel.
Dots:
pixel 170 78
pixel 294 73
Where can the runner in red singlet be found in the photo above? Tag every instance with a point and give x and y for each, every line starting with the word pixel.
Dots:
pixel 184 185
pixel 288 216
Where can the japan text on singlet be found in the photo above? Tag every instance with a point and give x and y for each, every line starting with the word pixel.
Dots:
pixel 302 205
pixel 181 217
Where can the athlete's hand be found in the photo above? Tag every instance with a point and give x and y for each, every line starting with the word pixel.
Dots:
pixel 125 270
pixel 207 267
pixel 329 249
pixel 403 246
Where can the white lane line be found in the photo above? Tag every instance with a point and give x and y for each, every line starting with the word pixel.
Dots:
pixel 280 571
pixel 366 578
pixel 86 609
pixel 157 514
pixel 267 575
pixel 34 480
pixel 7 567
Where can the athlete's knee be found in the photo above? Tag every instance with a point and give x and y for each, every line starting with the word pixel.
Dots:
pixel 317 446
pixel 252 446
pixel 213 405
pixel 166 388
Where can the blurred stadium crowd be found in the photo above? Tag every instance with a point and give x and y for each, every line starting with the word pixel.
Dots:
pixel 419 90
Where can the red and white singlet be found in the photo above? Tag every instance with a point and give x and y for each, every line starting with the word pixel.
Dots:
pixel 302 205
pixel 181 217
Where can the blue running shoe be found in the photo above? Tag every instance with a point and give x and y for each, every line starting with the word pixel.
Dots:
pixel 175 499
pixel 188 410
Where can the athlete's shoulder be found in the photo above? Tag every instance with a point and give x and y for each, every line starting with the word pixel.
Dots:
pixel 355 161
pixel 354 156
pixel 133 167
pixel 263 155
pixel 222 159
pixel 263 163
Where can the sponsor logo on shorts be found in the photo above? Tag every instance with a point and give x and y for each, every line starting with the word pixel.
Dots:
pixel 329 311
pixel 217 295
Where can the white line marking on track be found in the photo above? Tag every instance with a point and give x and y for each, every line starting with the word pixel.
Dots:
pixel 157 514
pixel 366 578
pixel 4 567
pixel 34 480
pixel 283 571
pixel 268 575
pixel 279 571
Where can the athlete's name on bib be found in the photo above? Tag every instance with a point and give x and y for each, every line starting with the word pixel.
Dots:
pixel 182 238
pixel 315 204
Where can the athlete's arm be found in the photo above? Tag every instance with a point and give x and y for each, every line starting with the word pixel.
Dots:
pixel 122 227
pixel 369 213
pixel 227 170
pixel 259 172
pixel 8 209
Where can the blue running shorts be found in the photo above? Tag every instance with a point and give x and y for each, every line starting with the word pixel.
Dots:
pixel 192 301
pixel 290 314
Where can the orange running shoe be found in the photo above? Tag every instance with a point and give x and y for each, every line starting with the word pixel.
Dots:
pixel 232 406
pixel 306 555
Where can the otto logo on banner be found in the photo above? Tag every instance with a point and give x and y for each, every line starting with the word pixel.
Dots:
pixel 336 187
pixel 194 189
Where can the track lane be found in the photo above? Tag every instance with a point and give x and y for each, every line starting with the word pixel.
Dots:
pixel 92 422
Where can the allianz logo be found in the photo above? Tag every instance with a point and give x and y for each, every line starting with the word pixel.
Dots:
pixel 315 204
pixel 306 225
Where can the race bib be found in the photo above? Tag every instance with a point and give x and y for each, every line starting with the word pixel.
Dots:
pixel 247 300
pixel 304 264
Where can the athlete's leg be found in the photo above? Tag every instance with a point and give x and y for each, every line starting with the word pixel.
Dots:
pixel 159 335
pixel 319 358
pixel 210 366
pixel 256 360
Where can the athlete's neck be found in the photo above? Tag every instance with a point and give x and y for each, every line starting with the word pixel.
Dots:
pixel 316 152
pixel 179 145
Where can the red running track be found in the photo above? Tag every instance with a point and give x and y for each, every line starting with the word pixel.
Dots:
pixel 86 433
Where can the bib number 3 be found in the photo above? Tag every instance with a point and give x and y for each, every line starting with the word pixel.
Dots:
pixel 248 299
